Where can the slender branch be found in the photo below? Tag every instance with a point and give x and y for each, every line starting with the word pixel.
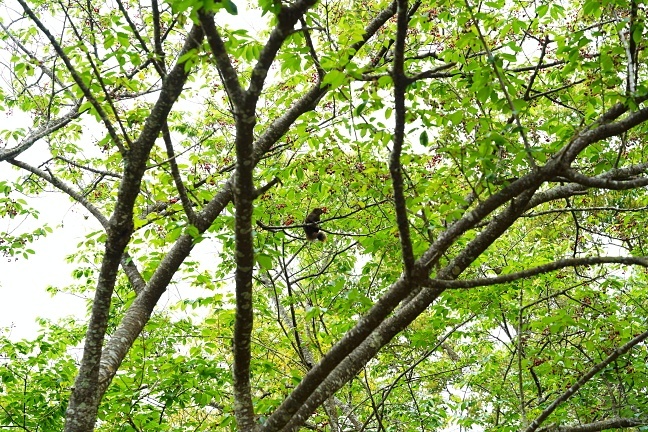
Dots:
pixel 440 341
pixel 543 51
pixel 156 62
pixel 436 73
pixel 75 75
pixel 157 38
pixel 605 183
pixel 127 264
pixel 100 79
pixel 585 209
pixel 604 128
pixel 63 187
pixel 287 17
pixel 266 187
pixel 538 94
pixel 500 78
pixel 186 150
pixel 584 379
pixel 520 348
pixel 571 189
pixel 613 423
pixel 87 168
pixel 311 48
pixel 187 206
pixel 43 131
pixel 631 50
pixel 35 59
pixel 225 69
pixel 323 268
pixel 545 268
pixel 536 67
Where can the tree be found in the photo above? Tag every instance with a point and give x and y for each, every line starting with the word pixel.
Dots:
pixel 482 169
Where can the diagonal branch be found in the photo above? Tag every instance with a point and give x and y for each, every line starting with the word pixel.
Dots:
pixel 604 128
pixel 157 36
pixel 50 73
pixel 555 165
pixel 503 87
pixel 50 127
pixel 75 75
pixel 439 343
pixel 613 423
pixel 605 182
pixel 545 268
pixel 584 379
pixel 175 173
pixel 586 209
pixel 311 49
pixel 570 189
pixel 381 330
pixel 543 51
pixel 287 17
pixel 86 395
pixel 127 264
pixel 99 77
pixel 88 168
pixel 225 69
pixel 157 62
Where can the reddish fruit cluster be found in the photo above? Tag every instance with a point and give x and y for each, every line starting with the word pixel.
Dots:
pixel 538 361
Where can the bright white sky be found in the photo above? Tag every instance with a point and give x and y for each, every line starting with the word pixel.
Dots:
pixel 23 282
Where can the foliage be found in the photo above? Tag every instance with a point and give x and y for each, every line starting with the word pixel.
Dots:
pixel 482 170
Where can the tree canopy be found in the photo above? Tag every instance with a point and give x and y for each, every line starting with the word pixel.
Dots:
pixel 482 176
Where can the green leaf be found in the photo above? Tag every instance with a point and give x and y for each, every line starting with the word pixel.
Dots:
pixel 334 78
pixel 230 7
pixel 265 261
pixel 423 139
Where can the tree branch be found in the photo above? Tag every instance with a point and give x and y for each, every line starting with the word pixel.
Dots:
pixel 385 329
pixel 43 131
pixel 605 182
pixel 584 379
pixel 543 51
pixel 127 264
pixel 503 87
pixel 614 423
pixel 225 69
pixel 87 168
pixel 187 206
pixel 287 17
pixel 604 128
pixel 85 398
pixel 75 76
pixel 545 268
pixel 395 168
